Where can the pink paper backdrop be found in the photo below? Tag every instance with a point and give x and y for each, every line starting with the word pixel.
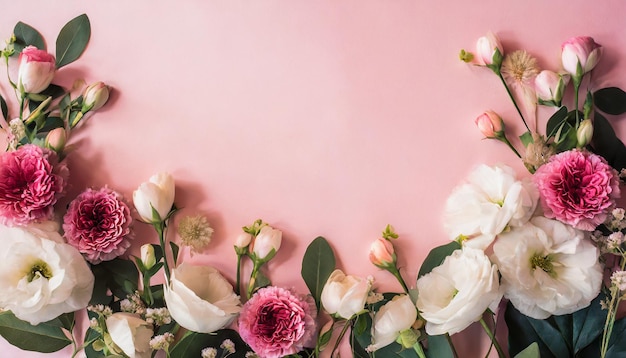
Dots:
pixel 323 118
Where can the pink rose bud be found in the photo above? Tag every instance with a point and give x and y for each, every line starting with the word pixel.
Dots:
pixel 266 243
pixel 550 87
pixel 580 55
pixel 243 240
pixel 382 253
pixel 584 133
pixel 36 70
pixel 95 96
pixel 56 139
pixel 489 50
pixel 490 124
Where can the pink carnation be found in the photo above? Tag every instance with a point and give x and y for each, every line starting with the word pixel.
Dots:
pixel 97 223
pixel 31 182
pixel 276 323
pixel 578 188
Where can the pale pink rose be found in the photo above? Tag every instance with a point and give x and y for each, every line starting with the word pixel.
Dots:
pixel 276 322
pixel 550 85
pixel 97 223
pixel 486 47
pixel 581 50
pixel 578 188
pixel 36 69
pixel 95 96
pixel 31 182
pixel 56 139
pixel 382 253
pixel 266 243
pixel 490 124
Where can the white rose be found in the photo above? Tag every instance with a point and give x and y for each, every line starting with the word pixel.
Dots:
pixel 491 200
pixel 41 278
pixel 395 316
pixel 457 293
pixel 131 334
pixel 157 193
pixel 548 268
pixel 200 299
pixel 344 295
pixel 266 243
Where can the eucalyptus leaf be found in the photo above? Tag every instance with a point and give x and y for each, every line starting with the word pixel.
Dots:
pixel 532 351
pixel 611 100
pixel 436 257
pixel 72 40
pixel 192 344
pixel 317 265
pixel 25 35
pixel 46 337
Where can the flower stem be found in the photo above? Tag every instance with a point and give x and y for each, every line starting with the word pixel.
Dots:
pixel 160 229
pixel 253 275
pixel 508 91
pixel 396 273
pixel 494 341
pixel 611 315
pixel 576 81
pixel 417 347
pixel 505 140
pixel 340 337
pixel 238 283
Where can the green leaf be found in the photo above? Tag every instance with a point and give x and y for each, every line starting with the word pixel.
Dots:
pixel 588 324
pixel 526 138
pixel 617 342
pixel 532 351
pixel 175 250
pixel 606 143
pixel 555 121
pixel 72 40
pixel 317 265
pixel 439 346
pixel 436 256
pixel 120 276
pixel 4 108
pixel 192 344
pixel 25 35
pixel 67 320
pixel 611 100
pixel 46 337
pixel 524 330
pixel 261 281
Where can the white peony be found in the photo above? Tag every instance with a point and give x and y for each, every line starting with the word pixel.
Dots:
pixel 392 318
pixel 457 293
pixel 40 276
pixel 344 295
pixel 131 334
pixel 200 299
pixel 548 268
pixel 491 200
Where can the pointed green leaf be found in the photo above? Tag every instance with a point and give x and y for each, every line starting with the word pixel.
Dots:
pixel 439 346
pixel 606 143
pixel 4 108
pixel 46 337
pixel 72 40
pixel 25 35
pixel 611 100
pixel 555 121
pixel 588 324
pixel 524 330
pixel 436 256
pixel 317 265
pixel 532 351
pixel 175 250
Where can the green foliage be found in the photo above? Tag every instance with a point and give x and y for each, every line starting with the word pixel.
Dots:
pixel 532 351
pixel 25 36
pixel 317 265
pixel 436 256
pixel 118 275
pixel 192 344
pixel 4 108
pixel 607 144
pixel 555 122
pixel 45 337
pixel 72 40
pixel 610 100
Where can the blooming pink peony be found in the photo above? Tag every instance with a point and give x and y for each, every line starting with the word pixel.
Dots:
pixel 97 223
pixel 276 323
pixel 578 188
pixel 31 182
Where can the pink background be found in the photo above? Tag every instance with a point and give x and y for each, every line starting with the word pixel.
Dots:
pixel 323 118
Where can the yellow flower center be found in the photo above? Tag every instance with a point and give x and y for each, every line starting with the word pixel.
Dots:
pixel 38 269
pixel 544 263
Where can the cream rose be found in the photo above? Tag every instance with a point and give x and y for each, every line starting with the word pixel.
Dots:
pixel 266 243
pixel 158 193
pixel 40 276
pixel 457 293
pixel 395 316
pixel 344 295
pixel 200 299
pixel 131 334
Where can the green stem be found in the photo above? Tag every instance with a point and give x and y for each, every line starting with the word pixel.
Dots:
pixel 253 274
pixel 505 140
pixel 417 347
pixel 340 337
pixel 508 91
pixel 396 273
pixel 160 229
pixel 611 315
pixel 454 353
pixel 577 82
pixel 494 341
pixel 238 283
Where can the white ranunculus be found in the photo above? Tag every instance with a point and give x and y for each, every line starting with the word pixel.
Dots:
pixel 131 334
pixel 392 318
pixel 266 243
pixel 491 200
pixel 200 299
pixel 157 193
pixel 548 268
pixel 344 295
pixel 40 276
pixel 457 293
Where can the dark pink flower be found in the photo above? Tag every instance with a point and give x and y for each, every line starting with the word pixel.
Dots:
pixel 276 323
pixel 31 182
pixel 578 188
pixel 97 223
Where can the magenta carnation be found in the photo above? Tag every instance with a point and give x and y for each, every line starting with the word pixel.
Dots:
pixel 578 188
pixel 276 323
pixel 97 223
pixel 31 182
